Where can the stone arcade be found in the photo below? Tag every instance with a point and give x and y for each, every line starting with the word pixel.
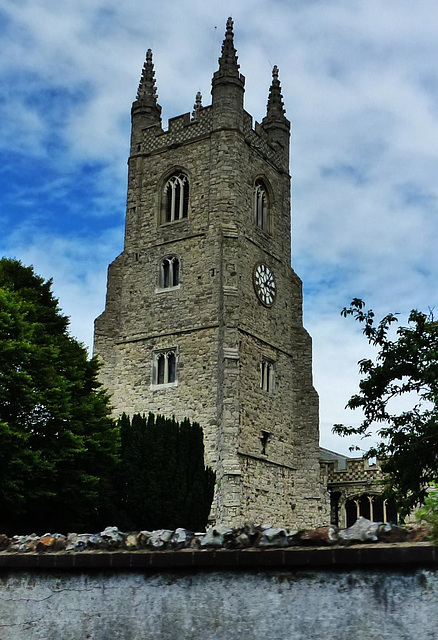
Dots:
pixel 203 315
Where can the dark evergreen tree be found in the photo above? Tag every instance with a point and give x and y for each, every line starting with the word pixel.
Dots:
pixel 58 444
pixel 162 479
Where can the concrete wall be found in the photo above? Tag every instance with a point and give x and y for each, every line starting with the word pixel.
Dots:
pixel 220 605
pixel 395 599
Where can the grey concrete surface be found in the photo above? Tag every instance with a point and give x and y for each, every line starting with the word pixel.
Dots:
pixel 276 605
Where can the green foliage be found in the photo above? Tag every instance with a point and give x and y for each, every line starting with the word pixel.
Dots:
pixel 64 464
pixel 428 513
pixel 403 366
pixel 162 480
pixel 58 444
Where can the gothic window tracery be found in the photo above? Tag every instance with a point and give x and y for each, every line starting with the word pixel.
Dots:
pixel 176 198
pixel 169 272
pixel 164 370
pixel 373 507
pixel 261 205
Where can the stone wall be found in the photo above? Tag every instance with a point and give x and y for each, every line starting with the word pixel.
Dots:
pixel 385 592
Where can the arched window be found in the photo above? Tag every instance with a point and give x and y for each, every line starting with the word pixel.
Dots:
pixel 372 507
pixel 176 198
pixel 169 272
pixel 164 371
pixel 261 205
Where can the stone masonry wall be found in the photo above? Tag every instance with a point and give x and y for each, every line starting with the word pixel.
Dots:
pixel 213 319
pixel 290 412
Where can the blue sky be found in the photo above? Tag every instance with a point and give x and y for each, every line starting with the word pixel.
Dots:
pixel 360 83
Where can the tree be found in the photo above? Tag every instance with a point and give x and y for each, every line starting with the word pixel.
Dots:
pixel 406 366
pixel 162 480
pixel 58 444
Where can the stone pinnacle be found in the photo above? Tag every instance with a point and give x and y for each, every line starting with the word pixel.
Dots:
pixel 147 91
pixel 275 107
pixel 228 60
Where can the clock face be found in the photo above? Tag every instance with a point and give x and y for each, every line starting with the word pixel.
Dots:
pixel 264 284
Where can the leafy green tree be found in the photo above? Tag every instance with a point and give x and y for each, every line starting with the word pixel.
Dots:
pixel 406 366
pixel 428 513
pixel 162 480
pixel 58 444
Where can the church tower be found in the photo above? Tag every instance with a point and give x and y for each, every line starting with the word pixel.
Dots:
pixel 203 315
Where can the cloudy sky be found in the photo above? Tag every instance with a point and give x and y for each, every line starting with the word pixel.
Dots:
pixel 360 83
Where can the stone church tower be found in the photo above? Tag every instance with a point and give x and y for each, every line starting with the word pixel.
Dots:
pixel 203 315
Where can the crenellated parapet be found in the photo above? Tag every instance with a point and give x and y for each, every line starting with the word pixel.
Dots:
pixel 181 130
pixel 187 128
pixel 354 470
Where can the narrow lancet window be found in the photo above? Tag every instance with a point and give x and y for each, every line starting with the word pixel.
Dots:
pixel 264 440
pixel 171 367
pixel 261 205
pixel 160 368
pixel 267 375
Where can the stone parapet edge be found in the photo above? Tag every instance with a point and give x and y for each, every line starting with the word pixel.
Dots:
pixel 393 555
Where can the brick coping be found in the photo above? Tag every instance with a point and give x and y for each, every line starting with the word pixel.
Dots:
pixel 384 555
